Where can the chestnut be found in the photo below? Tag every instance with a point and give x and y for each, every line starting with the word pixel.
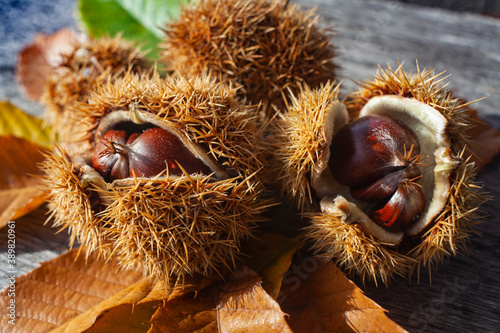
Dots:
pixel 402 209
pixel 124 152
pixel 383 176
pixel 163 174
pixel 376 156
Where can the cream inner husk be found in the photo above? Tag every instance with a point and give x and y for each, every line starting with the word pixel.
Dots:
pixel 336 117
pixel 437 164
pixel 141 117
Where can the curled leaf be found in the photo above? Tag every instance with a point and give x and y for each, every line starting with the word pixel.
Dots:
pixel 21 186
pixel 238 305
pixel 15 122
pixel 319 298
pixel 139 21
pixel 189 313
pixel 72 293
pixel 244 306
pixel 485 140
pixel 36 61
pixel 270 255
pixel 63 288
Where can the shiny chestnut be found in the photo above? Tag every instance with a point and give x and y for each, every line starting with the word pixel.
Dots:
pixel 377 156
pixel 143 152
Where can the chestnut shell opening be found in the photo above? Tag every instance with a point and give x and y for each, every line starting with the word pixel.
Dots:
pixel 133 122
pixel 435 164
pixel 143 150
pixel 376 157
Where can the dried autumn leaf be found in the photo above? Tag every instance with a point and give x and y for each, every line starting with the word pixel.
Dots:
pixel 62 288
pixel 74 291
pixel 75 294
pixel 244 306
pixel 239 304
pixel 324 300
pixel 15 122
pixel 270 255
pixel 137 314
pixel 486 140
pixel 36 60
pixel 189 313
pixel 21 187
pixel 128 310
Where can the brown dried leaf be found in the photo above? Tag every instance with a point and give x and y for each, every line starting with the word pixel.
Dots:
pixel 135 317
pixel 326 301
pixel 74 294
pixel 485 139
pixel 62 288
pixel 36 61
pixel 270 255
pixel 20 124
pixel 127 310
pixel 238 305
pixel 244 306
pixel 21 187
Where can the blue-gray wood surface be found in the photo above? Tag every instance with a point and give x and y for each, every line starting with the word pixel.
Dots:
pixel 464 293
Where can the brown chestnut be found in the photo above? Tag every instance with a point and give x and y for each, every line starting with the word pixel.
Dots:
pixel 125 152
pixel 385 186
pixel 369 148
pixel 402 209
pixel 376 156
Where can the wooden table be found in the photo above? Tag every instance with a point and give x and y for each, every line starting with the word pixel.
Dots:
pixel 464 295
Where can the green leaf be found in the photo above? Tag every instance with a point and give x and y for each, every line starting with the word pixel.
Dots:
pixel 17 123
pixel 137 20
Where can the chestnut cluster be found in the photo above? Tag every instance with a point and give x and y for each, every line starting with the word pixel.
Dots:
pixel 377 157
pixel 216 146
pixel 143 151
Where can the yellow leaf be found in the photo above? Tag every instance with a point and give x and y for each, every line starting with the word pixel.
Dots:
pixel 17 123
pixel 324 300
pixel 21 186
